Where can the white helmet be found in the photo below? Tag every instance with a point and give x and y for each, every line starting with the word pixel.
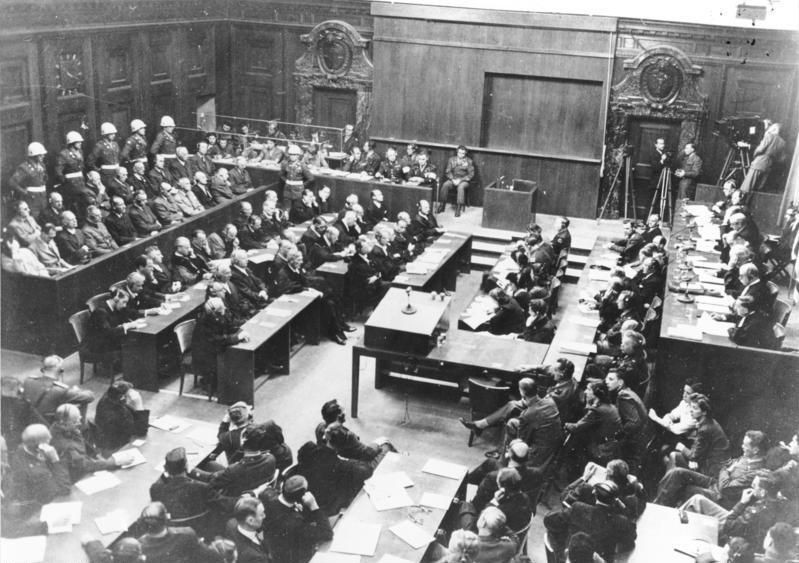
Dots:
pixel 36 149
pixel 107 128
pixel 294 149
pixel 167 121
pixel 137 124
pixel 74 137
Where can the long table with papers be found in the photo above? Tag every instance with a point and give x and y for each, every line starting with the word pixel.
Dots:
pixel 396 515
pixel 744 383
pixel 106 503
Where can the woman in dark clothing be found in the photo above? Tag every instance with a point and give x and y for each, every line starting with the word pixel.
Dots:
pixel 120 416
pixel 627 304
pixel 599 425
pixel 508 317
pixel 215 330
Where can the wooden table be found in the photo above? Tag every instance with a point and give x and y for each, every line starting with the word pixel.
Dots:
pixel 270 333
pixel 362 510
pixel 442 274
pixel 744 383
pixel 131 495
pixel 659 530
pixel 142 348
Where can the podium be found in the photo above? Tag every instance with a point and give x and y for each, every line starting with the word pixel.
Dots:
pixel 509 210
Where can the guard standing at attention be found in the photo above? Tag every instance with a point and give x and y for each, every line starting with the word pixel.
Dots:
pixel 69 172
pixel 29 181
pixel 105 156
pixel 135 147
pixel 295 175
pixel 165 142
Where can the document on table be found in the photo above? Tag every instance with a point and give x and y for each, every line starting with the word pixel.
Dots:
pixel 60 516
pixel 471 491
pixel 329 557
pixel 714 327
pixel 410 533
pixel 170 423
pixel 709 300
pixel 359 538
pixel 444 469
pixel 115 521
pixel 590 322
pixel 23 550
pixel 689 332
pixel 100 481
pixel 708 246
pixel 577 348
pixel 395 478
pixel 203 435
pixel 599 275
pixel 475 318
pixel 387 496
pixel 402 278
pixel 415 268
pixel 698 210
pixel 132 457
pixel 278 312
pixel 721 309
pixel 436 501
pixel 710 279
pixel 387 558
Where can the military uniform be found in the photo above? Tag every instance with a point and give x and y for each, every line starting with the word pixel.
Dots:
pixel 418 171
pixel 105 159
pixel 134 150
pixel 165 143
pixel 391 170
pixel 69 173
pixel 459 173
pixel 46 394
pixel 202 163
pixel 29 183
pixel 296 177
pixel 561 241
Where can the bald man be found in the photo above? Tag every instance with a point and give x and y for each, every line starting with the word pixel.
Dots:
pixel 38 473
pixel 46 391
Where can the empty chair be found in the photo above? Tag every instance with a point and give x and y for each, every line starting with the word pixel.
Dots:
pixel 184 333
pixel 485 398
pixel 79 321
pixel 781 312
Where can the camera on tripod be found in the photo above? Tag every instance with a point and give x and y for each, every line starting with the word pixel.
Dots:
pixel 740 129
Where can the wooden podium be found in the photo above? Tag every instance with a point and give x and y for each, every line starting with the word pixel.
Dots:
pixel 509 209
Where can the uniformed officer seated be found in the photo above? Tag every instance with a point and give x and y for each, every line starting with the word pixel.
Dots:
pixel 47 391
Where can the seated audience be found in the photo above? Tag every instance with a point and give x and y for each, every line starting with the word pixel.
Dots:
pixel 508 497
pixel 37 472
pixel 188 268
pixel 754 328
pixel 538 327
pixel 679 420
pixel 424 226
pixel 52 213
pixel 142 217
pixel 125 550
pixel 459 174
pixel 23 225
pixel 304 209
pixel 47 391
pixel 496 543
pixel 240 181
pixel 202 190
pixel 220 187
pixel 182 496
pixel 628 246
pixel 597 430
pixel 388 264
pixel 780 545
pixel 185 198
pixel 346 443
pixel 363 277
pixel 516 457
pixel 120 416
pixel 214 331
pixel 294 523
pixel 508 315
pixel 164 206
pixel 710 449
pixel 80 457
pixel 375 212
pixel 119 224
pixel 71 241
pixel 230 435
pixel 631 491
pixel 222 246
pixel 46 251
pixel 250 288
pixel 162 543
pixel 107 326
pixel 246 531
pixel 464 547
pixel 19 259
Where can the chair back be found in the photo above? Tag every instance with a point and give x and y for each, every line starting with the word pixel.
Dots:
pixel 184 333
pixel 485 397
pixel 93 302
pixel 779 334
pixel 522 537
pixel 781 312
pixel 554 290
pixel 79 321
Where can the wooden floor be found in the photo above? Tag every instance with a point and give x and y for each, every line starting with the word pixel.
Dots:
pixel 414 416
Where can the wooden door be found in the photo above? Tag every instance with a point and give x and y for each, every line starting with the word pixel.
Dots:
pixel 334 107
pixel 642 138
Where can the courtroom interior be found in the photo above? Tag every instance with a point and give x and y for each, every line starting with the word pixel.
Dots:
pixel 393 281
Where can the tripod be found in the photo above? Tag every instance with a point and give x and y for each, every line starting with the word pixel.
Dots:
pixel 663 191
pixel 737 159
pixel 629 194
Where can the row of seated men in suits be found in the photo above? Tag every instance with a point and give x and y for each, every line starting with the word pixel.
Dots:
pixel 235 293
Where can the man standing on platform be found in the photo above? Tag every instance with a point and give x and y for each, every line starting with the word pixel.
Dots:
pixel 104 158
pixel 165 142
pixel 29 181
pixel 135 147
pixel 690 168
pixel 69 170
pixel 295 176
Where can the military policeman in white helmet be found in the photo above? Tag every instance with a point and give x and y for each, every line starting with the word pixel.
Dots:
pixel 295 175
pixel 69 172
pixel 135 147
pixel 29 181
pixel 104 158
pixel 165 142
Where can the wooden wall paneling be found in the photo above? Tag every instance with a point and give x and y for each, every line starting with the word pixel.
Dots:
pixel 258 60
pixel 115 76
pixel 20 103
pixel 223 68
pixel 162 77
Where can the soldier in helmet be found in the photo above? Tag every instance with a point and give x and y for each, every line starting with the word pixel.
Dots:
pixel 29 181
pixel 135 147
pixel 69 172
pixel 105 156
pixel 295 175
pixel 165 142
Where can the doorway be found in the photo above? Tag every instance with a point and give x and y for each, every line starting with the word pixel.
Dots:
pixel 334 107
pixel 643 134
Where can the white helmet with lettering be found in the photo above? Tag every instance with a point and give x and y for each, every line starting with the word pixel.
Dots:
pixel 107 128
pixel 137 124
pixel 36 149
pixel 167 121
pixel 294 149
pixel 74 137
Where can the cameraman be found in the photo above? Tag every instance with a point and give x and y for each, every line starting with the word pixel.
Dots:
pixel 690 167
pixel 769 152
pixel 660 159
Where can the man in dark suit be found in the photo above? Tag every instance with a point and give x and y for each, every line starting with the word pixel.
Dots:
pixel 165 544
pixel 157 175
pixel 250 287
pixel 220 187
pixel 652 229
pixel 202 191
pixel 182 496
pixel 602 521
pixel 187 267
pixel 313 234
pixel 304 209
pixel 628 246
pixel 424 225
pixel 138 179
pixel 362 275
pixel 754 328
pixel 375 212
pixel 240 181
pixel 142 217
pixel 649 281
pixel 508 497
pixel 295 524
pixel 690 168
pixel 118 186
pixel 179 166
pixel 387 264
pixel 246 532
pixel 201 161
pixel 347 226
pixel 328 249
pixel 107 326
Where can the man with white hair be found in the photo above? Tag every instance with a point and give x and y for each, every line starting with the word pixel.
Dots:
pixel 79 457
pixel 179 166
pixel 157 175
pixel 185 199
pixel 202 191
pixel 119 187
pixel 142 216
pixel 99 195
pixel 164 206
pixel 222 246
pixel 47 391
pixel 52 213
pixel 347 227
pixel 250 287
pixel 220 186
pixel 240 181
pixel 38 474
pixel 97 237
pixel 71 241
pixel 187 267
pixel 386 262
pixel 238 306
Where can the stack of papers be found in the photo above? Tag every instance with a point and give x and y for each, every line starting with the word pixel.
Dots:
pixel 170 423
pixel 577 348
pixel 329 557
pixel 23 550
pixel 278 312
pixel 415 268
pixel 689 332
pixel 714 327
pixel 100 481
pixel 386 496
pixel 61 516
pixel 411 534
pixel 708 246
pixel 434 500
pixel 590 322
pixel 358 538
pixel 113 522
pixel 598 275
pixel 132 456
pixel 710 279
pixel 444 469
